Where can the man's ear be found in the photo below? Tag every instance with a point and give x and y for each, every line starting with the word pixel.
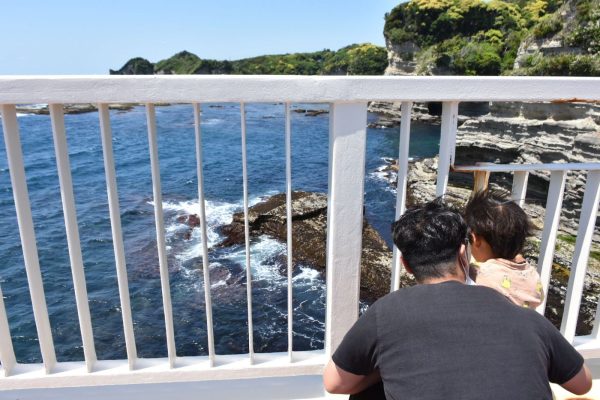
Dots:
pixel 406 267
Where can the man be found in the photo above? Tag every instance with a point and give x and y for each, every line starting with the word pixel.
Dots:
pixel 442 339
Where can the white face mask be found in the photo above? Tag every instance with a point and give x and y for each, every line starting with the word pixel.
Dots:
pixel 466 265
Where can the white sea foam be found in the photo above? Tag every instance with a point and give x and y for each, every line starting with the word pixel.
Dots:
pixel 306 274
pixel 211 121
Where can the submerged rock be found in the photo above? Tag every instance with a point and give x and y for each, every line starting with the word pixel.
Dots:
pixel 309 227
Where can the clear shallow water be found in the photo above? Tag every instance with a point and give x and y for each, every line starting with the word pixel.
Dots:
pixel 223 188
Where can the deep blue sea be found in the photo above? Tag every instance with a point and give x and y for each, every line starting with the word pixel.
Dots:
pixel 223 188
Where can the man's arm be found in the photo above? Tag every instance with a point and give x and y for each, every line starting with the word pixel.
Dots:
pixel 338 381
pixel 581 383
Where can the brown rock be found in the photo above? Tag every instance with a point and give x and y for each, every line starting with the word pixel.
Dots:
pixel 309 233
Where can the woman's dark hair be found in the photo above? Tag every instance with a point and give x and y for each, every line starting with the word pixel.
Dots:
pixel 429 238
pixel 501 222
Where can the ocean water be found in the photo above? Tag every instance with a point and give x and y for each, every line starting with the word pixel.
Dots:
pixel 223 189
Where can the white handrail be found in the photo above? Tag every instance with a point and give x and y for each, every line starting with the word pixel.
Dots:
pixel 300 89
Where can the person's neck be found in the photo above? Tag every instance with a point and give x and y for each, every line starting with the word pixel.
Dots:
pixel 447 278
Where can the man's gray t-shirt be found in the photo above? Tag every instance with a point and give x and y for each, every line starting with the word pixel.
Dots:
pixel 454 341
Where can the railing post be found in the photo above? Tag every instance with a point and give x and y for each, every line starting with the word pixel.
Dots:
pixel 587 223
pixel 159 222
pixel 402 178
pixel 347 142
pixel 117 234
pixel 480 180
pixel 70 215
pixel 447 144
pixel 519 187
pixel 551 219
pixel 26 231
pixel 7 352
pixel 204 237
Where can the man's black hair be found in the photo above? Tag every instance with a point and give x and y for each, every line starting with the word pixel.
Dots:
pixel 429 238
pixel 501 222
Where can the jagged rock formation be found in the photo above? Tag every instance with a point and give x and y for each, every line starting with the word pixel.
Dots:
pixel 309 227
pixel 401 58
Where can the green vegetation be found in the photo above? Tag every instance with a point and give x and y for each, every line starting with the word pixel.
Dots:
pixel 478 37
pixel 586 33
pixel 562 65
pixel 135 66
pixel 356 59
pixel 570 240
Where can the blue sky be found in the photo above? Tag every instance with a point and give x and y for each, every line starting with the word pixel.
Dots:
pixel 85 37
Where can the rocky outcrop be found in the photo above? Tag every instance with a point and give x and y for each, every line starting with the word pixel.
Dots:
pixel 42 109
pixel 401 58
pixel 309 227
pixel 552 45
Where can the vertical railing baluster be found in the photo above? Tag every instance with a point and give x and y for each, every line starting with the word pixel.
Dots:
pixel 7 352
pixel 347 144
pixel 117 234
pixel 447 144
pixel 27 233
pixel 551 220
pixel 204 238
pixel 70 215
pixel 587 223
pixel 596 330
pixel 247 235
pixel 519 187
pixel 401 189
pixel 160 234
pixel 290 261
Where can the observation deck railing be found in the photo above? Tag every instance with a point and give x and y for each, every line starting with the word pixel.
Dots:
pixel 291 374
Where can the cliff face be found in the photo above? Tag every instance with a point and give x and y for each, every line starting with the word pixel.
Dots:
pixel 536 133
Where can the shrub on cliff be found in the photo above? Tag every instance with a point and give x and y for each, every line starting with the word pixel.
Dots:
pixel 362 59
pixel 563 65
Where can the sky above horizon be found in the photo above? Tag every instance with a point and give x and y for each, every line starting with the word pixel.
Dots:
pixel 76 37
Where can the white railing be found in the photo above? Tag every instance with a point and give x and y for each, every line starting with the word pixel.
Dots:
pixel 348 96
